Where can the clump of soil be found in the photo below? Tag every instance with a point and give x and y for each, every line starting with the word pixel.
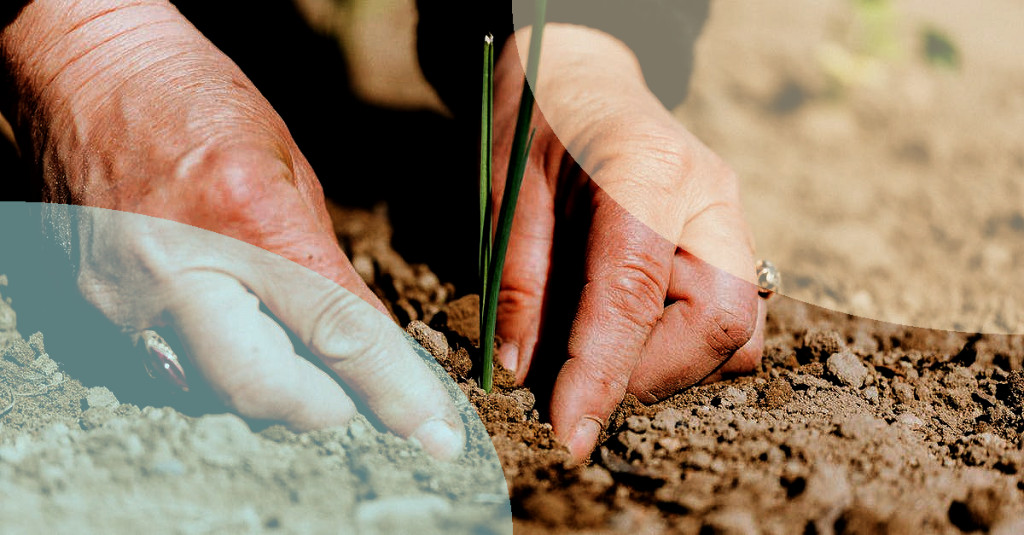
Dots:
pixel 849 426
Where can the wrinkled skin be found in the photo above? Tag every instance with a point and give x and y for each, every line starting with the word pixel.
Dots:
pixel 133 110
pixel 124 105
pixel 665 225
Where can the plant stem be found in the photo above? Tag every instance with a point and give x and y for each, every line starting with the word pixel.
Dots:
pixel 521 142
pixel 486 165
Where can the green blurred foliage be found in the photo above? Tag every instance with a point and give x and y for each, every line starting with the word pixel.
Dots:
pixel 875 32
pixel 939 50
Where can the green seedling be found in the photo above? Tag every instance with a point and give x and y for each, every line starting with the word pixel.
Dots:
pixel 493 245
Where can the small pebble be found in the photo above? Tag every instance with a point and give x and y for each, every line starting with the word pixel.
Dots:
pixel 822 343
pixel 910 420
pixel 8 319
pixel 364 267
pixel 428 281
pixel 732 397
pixel 731 521
pixel 100 397
pixel 701 460
pixel 847 369
pixel 524 399
pixel 223 440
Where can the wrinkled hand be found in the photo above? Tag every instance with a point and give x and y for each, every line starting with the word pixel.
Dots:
pixel 667 255
pixel 126 106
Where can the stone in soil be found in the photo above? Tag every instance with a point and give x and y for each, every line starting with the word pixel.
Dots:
pixel 846 368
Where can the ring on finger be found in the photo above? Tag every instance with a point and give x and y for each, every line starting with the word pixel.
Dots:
pixel 769 280
pixel 160 359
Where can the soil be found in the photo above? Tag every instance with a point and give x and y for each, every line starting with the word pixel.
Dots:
pixel 851 425
pixel 73 458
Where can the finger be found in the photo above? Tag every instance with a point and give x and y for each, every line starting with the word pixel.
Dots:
pixel 524 281
pixel 248 359
pixel 368 352
pixel 748 357
pixel 713 315
pixel 626 278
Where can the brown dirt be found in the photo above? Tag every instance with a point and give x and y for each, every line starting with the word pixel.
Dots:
pixel 850 426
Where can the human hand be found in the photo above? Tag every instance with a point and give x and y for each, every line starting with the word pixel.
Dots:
pixel 667 255
pixel 124 105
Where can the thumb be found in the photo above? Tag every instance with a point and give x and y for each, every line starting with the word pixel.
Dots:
pixel 627 272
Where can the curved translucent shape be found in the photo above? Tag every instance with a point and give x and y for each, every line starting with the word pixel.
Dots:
pixel 73 436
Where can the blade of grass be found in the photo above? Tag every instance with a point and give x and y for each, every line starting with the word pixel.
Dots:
pixel 486 165
pixel 521 142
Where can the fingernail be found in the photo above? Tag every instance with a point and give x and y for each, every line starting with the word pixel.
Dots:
pixel 584 437
pixel 508 356
pixel 440 439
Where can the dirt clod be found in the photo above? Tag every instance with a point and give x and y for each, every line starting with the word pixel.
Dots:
pixel 461 318
pixel 431 340
pixel 819 344
pixel 777 394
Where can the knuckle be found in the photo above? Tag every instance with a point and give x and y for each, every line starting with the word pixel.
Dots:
pixel 513 299
pixel 236 176
pixel 638 293
pixel 344 337
pixel 728 328
pixel 679 158
pixel 604 378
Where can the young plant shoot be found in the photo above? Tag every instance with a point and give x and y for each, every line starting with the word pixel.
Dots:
pixel 494 245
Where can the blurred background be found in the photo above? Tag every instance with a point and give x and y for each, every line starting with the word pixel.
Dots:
pixel 879 143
